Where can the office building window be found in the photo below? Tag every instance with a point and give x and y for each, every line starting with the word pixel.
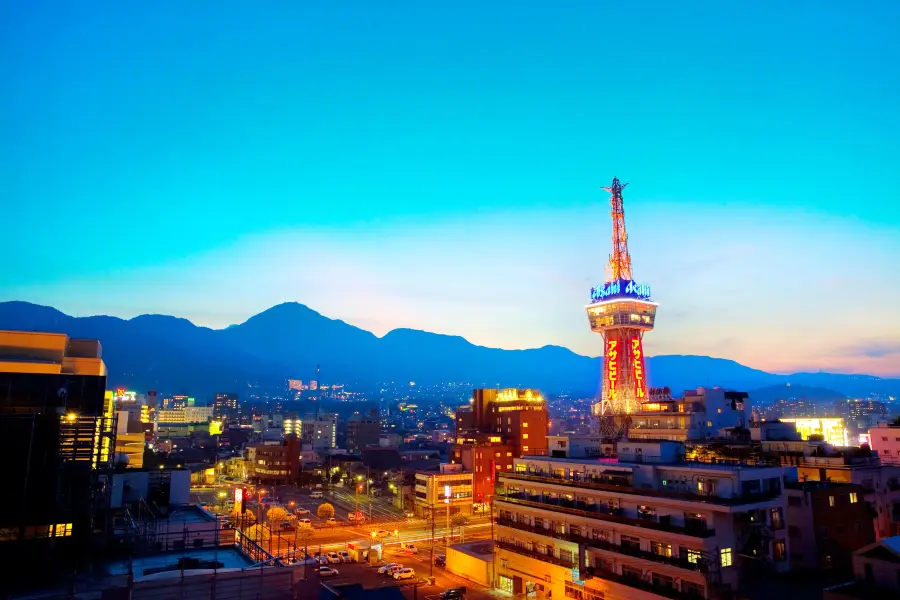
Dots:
pixel 830 500
pixel 853 498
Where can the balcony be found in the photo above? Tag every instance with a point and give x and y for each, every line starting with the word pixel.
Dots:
pixel 523 550
pixel 675 561
pixel 641 584
pixel 602 513
pixel 627 488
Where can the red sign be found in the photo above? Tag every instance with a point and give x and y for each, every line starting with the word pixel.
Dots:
pixel 238 495
pixel 120 391
pixel 612 367
pixel 637 366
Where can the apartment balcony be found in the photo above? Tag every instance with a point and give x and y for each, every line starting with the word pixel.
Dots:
pixel 525 551
pixel 642 584
pixel 675 561
pixel 627 488
pixel 602 513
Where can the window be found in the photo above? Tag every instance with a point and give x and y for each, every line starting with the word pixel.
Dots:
pixel 663 581
pixel 884 439
pixel 508 454
pixel 692 556
pixel 525 424
pixel 661 549
pixel 691 589
pixel 496 455
pixel 709 423
pixel 720 411
pixel 830 500
pixel 725 556
pixel 524 436
pixel 630 542
pixel 631 572
pixel 780 550
pixel 524 448
pixel 853 498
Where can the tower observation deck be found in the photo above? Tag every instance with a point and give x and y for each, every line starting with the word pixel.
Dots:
pixel 621 311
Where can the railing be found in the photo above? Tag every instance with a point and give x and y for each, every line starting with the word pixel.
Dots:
pixel 675 561
pixel 608 516
pixel 642 584
pixel 524 550
pixel 628 489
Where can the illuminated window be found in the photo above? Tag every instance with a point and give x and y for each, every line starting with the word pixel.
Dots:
pixel 524 436
pixel 524 448
pixel 830 500
pixel 525 424
pixel 725 555
pixel 720 411
pixel 693 556
pixel 853 498
pixel 508 454
pixel 709 423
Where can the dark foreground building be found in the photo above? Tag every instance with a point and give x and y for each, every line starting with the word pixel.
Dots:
pixel 58 425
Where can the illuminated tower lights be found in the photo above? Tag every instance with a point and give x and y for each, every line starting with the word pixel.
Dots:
pixel 620 311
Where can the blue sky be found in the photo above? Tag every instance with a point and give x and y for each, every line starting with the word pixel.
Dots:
pixel 438 165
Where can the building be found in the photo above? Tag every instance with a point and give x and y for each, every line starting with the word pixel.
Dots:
pixel 701 414
pixel 320 431
pixel 436 492
pixel 644 526
pixel 578 446
pixel 362 431
pixel 495 427
pixel 193 414
pixel 58 419
pixel 876 570
pixel 226 407
pixel 827 522
pixel 884 440
pixel 831 429
pixel 621 311
pixel 275 464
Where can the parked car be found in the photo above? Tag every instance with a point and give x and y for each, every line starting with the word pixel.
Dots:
pixel 384 570
pixel 440 560
pixel 457 593
pixel 389 571
pixel 383 533
pixel 333 558
pixel 301 511
pixel 408 514
pixel 328 572
pixel 317 495
pixel 409 548
pixel 287 525
pixel 331 521
pixel 345 556
pixel 322 560
pixel 304 521
pixel 405 574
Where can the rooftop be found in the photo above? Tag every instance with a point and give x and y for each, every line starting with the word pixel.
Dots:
pixel 612 462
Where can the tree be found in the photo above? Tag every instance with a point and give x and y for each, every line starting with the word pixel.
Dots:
pixel 303 534
pixel 325 511
pixel 276 516
pixel 458 520
pixel 258 533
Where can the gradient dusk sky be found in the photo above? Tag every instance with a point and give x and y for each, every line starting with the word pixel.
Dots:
pixel 438 165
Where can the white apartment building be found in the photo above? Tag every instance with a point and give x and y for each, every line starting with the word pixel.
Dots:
pixel 188 414
pixel 701 414
pixel 885 440
pixel 644 526
pixel 320 431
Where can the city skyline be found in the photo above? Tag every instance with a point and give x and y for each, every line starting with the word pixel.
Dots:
pixel 406 168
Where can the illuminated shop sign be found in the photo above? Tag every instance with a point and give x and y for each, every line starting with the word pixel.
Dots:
pixel 637 365
pixel 612 366
pixel 620 288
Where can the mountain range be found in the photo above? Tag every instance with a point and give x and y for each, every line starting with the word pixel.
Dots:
pixel 173 355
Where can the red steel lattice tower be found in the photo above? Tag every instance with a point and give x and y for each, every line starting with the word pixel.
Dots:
pixel 620 311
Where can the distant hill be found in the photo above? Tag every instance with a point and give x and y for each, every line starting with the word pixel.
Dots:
pixel 173 355
pixel 786 391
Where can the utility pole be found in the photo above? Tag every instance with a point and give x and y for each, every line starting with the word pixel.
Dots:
pixel 431 571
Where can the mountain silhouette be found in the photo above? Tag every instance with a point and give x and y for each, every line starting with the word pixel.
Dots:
pixel 173 355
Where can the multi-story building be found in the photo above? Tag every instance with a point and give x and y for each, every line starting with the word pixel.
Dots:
pixel 449 489
pixel 193 414
pixel 875 572
pixel 495 427
pixel 226 407
pixel 59 421
pixel 320 431
pixel 362 431
pixel 644 526
pixel 275 464
pixel 831 429
pixel 701 414
pixel 827 522
pixel 884 439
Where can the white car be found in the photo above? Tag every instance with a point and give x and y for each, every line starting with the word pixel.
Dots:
pixel 333 558
pixel 345 556
pixel 304 521
pixel 405 574
pixel 384 570
pixel 301 511
pixel 391 569
pixel 331 521
pixel 322 560
pixel 327 572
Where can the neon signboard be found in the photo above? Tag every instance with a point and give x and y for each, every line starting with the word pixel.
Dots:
pixel 612 367
pixel 637 366
pixel 620 288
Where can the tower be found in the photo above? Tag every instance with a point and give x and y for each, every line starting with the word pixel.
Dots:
pixel 620 311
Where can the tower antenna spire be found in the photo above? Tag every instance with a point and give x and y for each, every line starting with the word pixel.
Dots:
pixel 620 259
